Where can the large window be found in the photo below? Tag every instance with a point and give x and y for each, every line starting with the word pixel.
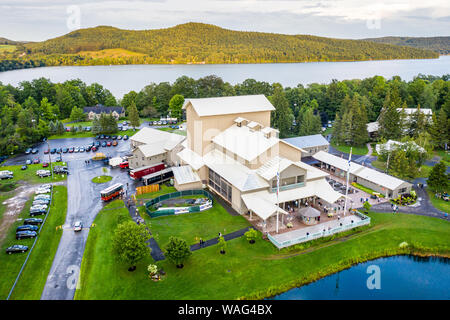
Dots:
pixel 220 185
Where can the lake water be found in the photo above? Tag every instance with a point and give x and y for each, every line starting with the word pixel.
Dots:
pixel 401 277
pixel 124 78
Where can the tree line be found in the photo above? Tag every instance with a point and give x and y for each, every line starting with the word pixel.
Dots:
pixel 30 111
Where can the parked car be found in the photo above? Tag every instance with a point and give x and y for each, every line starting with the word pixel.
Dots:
pixel 59 150
pixel 88 128
pixel 108 144
pixel 76 149
pixel 115 143
pixel 53 151
pixel 42 197
pixel 88 148
pixel 81 149
pixel 40 202
pixel 124 165
pixel 25 234
pixel 119 137
pixel 71 150
pixel 33 221
pixel 104 144
pixel 43 173
pixel 34 151
pixel 114 137
pixel 37 212
pixel 59 159
pixel 28 151
pixel 44 164
pixel 94 148
pixel 107 137
pixel 6 176
pixel 97 144
pixel 61 170
pixel 125 123
pixel 17 248
pixel 125 137
pixel 36 160
pixel 77 226
pixel 42 191
pixel 102 136
pixel 46 151
pixel 124 129
pixel 28 161
pixel 65 150
pixel 39 206
pixel 27 227
pixel 24 167
pixel 150 123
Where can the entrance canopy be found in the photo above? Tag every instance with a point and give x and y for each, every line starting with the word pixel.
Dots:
pixel 309 212
pixel 261 207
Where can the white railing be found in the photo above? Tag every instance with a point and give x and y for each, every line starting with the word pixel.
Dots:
pixel 365 220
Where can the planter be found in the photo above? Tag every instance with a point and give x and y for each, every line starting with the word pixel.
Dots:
pixel 131 269
pixel 180 266
pixel 252 241
pixel 222 251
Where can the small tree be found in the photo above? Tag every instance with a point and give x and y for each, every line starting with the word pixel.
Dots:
pixel 175 105
pixel 177 251
pixel 77 114
pixel 251 235
pixel 367 206
pixel 222 244
pixel 438 180
pixel 133 116
pixel 130 243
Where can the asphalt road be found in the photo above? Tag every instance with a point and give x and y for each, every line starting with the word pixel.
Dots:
pixel 83 204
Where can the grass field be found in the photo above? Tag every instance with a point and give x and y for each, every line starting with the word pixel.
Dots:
pixel 32 281
pixel 355 150
pixel 252 271
pixel 111 53
pixel 35 273
pixel 29 174
pixel 439 203
pixel 76 124
pixel 7 48
pixel 101 179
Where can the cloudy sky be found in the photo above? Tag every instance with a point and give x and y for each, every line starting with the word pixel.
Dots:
pixel 36 20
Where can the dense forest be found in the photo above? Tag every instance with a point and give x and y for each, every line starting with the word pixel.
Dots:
pixel 196 43
pixel 438 44
pixel 29 111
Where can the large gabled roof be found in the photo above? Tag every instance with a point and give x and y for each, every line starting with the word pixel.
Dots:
pixel 314 140
pixel 150 136
pixel 229 105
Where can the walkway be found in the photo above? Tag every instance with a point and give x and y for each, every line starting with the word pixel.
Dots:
pixel 227 237
pixel 156 251
pixel 424 207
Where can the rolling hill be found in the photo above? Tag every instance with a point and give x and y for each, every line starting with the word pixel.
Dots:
pixel 437 44
pixel 198 43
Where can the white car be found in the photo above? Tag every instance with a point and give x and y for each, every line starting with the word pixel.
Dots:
pixel 45 186
pixel 39 206
pixel 40 202
pixel 77 226
pixel 42 197
pixel 43 173
pixel 42 191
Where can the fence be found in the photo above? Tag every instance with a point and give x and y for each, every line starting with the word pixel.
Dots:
pixel 178 194
pixel 365 220
pixel 147 189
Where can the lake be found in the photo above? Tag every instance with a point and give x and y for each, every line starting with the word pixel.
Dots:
pixel 401 277
pixel 124 78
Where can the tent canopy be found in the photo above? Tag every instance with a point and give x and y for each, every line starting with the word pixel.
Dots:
pixel 309 212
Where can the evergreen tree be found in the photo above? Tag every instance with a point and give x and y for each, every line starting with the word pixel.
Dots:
pixel 307 122
pixel 96 127
pixel 77 114
pixel 438 180
pixel 440 129
pixel 282 116
pixel 133 116
pixel 389 122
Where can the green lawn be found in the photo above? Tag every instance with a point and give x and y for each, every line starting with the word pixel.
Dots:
pixel 357 150
pixel 76 124
pixel 180 132
pixel 252 271
pixel 101 179
pixel 33 278
pixel 29 174
pixel 365 189
pixel 439 203
pixel 444 155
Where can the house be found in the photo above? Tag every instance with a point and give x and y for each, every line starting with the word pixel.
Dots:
pixel 97 110
pixel 309 144
pixel 231 149
pixel 389 186
pixel 150 146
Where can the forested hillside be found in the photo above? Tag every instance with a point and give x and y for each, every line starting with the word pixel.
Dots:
pixel 197 43
pixel 438 44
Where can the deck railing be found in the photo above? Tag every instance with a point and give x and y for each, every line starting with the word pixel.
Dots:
pixel 365 220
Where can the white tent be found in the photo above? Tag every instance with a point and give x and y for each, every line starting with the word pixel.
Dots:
pixel 114 162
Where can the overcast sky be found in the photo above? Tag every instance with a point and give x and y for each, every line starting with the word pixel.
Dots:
pixel 37 20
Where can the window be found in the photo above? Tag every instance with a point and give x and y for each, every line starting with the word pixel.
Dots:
pixel 219 184
pixel 300 179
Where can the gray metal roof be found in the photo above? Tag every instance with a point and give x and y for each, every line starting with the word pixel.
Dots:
pixel 314 140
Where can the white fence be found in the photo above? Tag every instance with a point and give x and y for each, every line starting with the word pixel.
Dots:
pixel 365 220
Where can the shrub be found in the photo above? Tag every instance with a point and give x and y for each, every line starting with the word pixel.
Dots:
pixel 222 244
pixel 251 235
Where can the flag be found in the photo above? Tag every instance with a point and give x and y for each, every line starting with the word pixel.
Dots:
pixel 278 183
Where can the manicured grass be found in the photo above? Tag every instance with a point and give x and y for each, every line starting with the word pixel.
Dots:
pixel 357 150
pixel 168 129
pixel 89 134
pixel 254 271
pixel 29 174
pixel 101 179
pixel 76 124
pixel 439 203
pixel 163 190
pixel 33 278
pixel 365 189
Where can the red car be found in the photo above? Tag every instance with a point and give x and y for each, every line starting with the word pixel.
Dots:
pixel 94 148
pixel 108 144
pixel 124 165
pixel 46 151
pixel 36 160
pixel 44 165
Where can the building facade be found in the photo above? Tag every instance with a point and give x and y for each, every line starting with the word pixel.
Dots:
pixel 95 111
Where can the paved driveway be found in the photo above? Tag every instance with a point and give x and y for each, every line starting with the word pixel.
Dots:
pixel 83 204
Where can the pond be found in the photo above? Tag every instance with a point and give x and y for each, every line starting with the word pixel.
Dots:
pixel 400 277
pixel 121 79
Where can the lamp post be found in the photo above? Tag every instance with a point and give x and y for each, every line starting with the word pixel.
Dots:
pixel 49 158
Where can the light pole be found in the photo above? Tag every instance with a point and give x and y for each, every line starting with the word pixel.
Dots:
pixel 49 158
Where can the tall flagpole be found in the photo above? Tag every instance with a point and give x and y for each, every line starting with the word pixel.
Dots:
pixel 348 173
pixel 278 190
